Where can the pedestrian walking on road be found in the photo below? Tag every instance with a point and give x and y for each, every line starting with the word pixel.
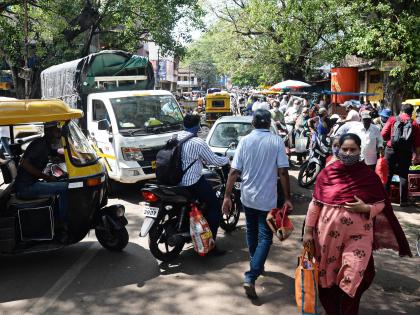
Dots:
pixel 403 138
pixel 349 217
pixel 260 158
pixel 372 142
pixel 352 114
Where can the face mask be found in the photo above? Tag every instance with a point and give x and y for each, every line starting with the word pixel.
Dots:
pixel 348 159
pixel 335 151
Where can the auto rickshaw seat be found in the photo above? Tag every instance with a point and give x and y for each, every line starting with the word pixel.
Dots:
pixel 18 203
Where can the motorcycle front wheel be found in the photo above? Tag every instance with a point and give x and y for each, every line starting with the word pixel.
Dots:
pixel 159 243
pixel 229 222
pixel 308 173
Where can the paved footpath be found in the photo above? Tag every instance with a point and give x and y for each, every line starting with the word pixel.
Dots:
pixel 86 279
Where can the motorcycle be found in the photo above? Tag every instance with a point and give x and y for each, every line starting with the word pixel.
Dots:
pixel 319 151
pixel 167 209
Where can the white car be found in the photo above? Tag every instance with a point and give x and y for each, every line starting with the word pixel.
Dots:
pixel 228 129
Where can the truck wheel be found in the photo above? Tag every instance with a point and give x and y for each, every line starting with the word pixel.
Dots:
pixel 113 240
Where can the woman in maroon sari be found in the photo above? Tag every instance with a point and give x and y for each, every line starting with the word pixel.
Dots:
pixel 349 216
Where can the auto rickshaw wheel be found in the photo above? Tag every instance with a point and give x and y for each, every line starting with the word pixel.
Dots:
pixel 113 240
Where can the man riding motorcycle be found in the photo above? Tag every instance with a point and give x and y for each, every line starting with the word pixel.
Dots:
pixel 195 151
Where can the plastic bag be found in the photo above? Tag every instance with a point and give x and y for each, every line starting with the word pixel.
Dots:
pixel 279 223
pixel 200 232
pixel 306 285
pixel 382 170
pixel 300 144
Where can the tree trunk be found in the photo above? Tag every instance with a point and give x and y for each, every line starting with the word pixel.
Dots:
pixel 393 93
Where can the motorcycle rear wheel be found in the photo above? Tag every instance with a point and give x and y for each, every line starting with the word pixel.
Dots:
pixel 159 236
pixel 308 173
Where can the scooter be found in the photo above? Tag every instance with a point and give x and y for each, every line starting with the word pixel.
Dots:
pixel 319 151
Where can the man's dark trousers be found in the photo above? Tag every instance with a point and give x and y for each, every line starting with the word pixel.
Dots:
pixel 399 163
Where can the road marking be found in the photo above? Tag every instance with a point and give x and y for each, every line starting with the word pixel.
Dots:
pixel 51 296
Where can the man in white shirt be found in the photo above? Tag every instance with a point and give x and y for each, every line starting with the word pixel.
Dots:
pixel 372 141
pixel 260 159
pixel 261 105
pixel 352 114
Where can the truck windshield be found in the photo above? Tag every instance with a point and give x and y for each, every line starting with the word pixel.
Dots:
pixel 80 151
pixel 148 113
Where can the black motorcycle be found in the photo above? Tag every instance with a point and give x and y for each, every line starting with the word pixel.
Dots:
pixel 319 151
pixel 167 209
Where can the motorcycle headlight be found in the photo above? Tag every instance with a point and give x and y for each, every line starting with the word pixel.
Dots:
pixel 132 154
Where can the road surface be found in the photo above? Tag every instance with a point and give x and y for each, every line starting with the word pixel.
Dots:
pixel 87 279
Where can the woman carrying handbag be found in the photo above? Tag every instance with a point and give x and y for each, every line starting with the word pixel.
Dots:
pixel 349 216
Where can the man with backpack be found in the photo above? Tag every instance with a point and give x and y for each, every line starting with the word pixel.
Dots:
pixel 403 137
pixel 194 151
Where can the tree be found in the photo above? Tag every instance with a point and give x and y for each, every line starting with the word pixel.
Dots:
pixel 385 31
pixel 200 60
pixel 63 30
pixel 264 41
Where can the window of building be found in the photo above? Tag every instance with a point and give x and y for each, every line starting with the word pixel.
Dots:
pixel 185 78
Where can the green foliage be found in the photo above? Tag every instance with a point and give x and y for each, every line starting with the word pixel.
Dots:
pixel 259 42
pixel 63 30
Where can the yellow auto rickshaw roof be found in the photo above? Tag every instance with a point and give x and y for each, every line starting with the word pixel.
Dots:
pixel 218 95
pixel 413 101
pixel 30 111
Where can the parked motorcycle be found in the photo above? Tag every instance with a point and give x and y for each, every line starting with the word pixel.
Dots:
pixel 167 209
pixel 319 151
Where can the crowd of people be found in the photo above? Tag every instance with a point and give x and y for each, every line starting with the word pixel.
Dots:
pixel 350 214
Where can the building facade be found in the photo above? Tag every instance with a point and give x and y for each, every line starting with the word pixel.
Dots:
pixel 165 67
pixel 187 81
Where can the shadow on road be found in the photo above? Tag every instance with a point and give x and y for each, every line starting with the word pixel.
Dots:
pixel 30 276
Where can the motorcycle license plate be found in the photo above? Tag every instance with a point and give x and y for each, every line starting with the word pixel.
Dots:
pixel 148 211
pixel 153 165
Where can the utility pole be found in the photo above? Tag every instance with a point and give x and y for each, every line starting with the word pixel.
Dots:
pixel 26 57
pixel 158 69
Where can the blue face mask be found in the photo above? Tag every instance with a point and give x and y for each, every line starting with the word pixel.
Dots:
pixel 335 151
pixel 194 130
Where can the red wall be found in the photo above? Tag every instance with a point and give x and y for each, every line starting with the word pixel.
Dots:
pixel 344 80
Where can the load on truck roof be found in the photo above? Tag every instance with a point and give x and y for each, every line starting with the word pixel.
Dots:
pixel 106 71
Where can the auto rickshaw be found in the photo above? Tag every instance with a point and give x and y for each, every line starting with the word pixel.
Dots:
pixel 416 104
pixel 217 105
pixel 29 225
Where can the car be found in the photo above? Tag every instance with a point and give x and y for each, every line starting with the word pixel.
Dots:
pixel 228 129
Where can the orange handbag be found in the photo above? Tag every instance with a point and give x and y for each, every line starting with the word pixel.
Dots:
pixel 279 223
pixel 306 284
